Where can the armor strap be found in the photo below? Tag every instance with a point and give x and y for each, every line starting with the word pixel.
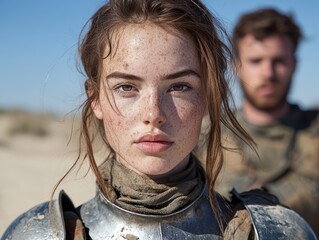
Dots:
pixel 74 227
pixel 239 227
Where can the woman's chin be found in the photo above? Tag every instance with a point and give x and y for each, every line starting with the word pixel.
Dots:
pixel 155 167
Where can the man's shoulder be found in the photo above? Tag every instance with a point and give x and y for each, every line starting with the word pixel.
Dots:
pixel 304 119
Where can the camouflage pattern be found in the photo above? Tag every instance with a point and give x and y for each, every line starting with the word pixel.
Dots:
pixel 286 162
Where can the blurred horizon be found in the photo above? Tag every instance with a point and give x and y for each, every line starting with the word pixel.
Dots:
pixel 41 85
pixel 39 51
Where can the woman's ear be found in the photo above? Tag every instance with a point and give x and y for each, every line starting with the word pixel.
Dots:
pixel 95 102
pixel 96 107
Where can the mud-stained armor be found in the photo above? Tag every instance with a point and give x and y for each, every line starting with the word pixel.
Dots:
pixel 103 220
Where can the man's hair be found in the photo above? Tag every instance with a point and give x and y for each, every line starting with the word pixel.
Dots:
pixel 264 23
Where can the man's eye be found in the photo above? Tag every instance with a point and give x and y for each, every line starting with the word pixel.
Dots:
pixel 255 61
pixel 179 88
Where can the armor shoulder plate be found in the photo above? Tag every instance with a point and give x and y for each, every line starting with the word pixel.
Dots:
pixel 271 220
pixel 41 222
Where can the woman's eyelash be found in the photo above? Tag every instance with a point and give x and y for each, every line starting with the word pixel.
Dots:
pixel 180 87
pixel 124 88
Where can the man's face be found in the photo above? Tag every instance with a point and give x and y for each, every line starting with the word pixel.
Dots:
pixel 265 70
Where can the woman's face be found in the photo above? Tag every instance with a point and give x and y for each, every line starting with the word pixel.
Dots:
pixel 152 99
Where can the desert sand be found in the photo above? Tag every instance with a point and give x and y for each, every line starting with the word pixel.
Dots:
pixel 34 155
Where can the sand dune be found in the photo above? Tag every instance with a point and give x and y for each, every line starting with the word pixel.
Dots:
pixel 33 156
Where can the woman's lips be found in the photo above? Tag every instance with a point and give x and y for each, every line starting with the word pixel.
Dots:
pixel 151 143
pixel 153 147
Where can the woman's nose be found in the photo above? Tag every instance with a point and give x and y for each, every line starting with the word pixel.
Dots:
pixel 153 110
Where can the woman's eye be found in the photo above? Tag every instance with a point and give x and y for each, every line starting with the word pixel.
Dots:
pixel 179 88
pixel 125 88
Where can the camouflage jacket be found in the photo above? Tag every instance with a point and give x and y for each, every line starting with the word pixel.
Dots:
pixel 286 162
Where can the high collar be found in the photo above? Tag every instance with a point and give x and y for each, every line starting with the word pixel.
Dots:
pixel 105 220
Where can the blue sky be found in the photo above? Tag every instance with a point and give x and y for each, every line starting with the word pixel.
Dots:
pixel 38 43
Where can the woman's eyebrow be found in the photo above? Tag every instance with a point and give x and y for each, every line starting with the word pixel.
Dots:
pixel 123 76
pixel 127 76
pixel 183 73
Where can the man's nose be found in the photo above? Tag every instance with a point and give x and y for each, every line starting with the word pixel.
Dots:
pixel 268 70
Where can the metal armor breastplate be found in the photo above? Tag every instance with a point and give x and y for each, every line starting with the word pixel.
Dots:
pixel 105 220
pixel 272 220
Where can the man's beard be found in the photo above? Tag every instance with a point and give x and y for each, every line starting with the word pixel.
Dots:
pixel 267 105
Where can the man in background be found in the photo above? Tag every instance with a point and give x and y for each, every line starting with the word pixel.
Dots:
pixel 287 137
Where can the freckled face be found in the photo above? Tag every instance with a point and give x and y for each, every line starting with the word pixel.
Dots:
pixel 152 100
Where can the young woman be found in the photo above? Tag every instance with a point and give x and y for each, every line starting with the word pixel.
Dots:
pixel 154 69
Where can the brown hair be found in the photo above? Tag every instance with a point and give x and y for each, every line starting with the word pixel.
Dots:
pixel 264 23
pixel 187 16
